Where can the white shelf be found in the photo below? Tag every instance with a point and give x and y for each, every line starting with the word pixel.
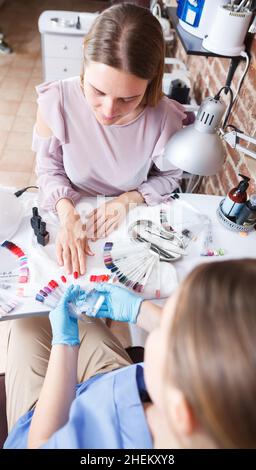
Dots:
pixel 45 24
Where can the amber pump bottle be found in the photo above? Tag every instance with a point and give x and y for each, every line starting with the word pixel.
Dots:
pixel 235 199
pixel 247 216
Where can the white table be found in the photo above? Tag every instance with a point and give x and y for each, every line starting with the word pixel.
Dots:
pixel 43 266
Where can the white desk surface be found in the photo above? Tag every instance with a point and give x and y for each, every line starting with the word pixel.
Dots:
pixel 43 266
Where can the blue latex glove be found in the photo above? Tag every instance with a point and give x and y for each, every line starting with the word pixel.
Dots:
pixel 65 327
pixel 120 304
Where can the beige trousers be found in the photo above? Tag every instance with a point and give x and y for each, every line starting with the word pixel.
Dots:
pixel 28 351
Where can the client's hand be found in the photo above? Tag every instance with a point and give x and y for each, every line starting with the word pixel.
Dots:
pixel 64 327
pixel 120 304
pixel 106 218
pixel 72 247
pixel 71 241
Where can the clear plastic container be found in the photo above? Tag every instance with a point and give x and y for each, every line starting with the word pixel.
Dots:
pixel 90 306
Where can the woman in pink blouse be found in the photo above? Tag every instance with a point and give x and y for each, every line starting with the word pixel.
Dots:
pixel 103 133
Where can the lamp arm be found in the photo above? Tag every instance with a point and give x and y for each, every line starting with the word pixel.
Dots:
pixel 233 138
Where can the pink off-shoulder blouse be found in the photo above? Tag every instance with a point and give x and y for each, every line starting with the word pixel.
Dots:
pixel 86 158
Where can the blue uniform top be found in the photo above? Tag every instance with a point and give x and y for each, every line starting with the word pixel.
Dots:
pixel 107 413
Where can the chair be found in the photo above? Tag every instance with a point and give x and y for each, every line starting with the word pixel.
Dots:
pixel 136 354
pixel 3 419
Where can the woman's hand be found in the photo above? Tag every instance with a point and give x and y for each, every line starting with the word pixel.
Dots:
pixel 120 304
pixel 59 386
pixel 110 215
pixel 123 305
pixel 71 242
pixel 64 326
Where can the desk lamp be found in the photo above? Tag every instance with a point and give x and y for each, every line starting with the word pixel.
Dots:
pixel 198 149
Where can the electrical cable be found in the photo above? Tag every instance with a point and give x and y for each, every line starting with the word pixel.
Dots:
pixel 227 113
pixel 21 191
pixel 247 59
pixel 234 97
pixel 234 128
pixel 197 184
pixel 193 183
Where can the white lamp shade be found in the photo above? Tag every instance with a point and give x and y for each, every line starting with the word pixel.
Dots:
pixel 195 152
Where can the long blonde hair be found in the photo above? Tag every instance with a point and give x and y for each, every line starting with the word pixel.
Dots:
pixel 128 37
pixel 213 350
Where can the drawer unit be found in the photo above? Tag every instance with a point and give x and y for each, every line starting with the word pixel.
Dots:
pixel 62 42
pixel 61 68
pixel 63 46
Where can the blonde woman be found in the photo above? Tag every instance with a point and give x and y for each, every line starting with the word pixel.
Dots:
pixel 102 133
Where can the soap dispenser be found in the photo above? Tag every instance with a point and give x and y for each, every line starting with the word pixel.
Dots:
pixel 235 199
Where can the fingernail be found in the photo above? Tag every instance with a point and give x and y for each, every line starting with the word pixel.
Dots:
pixel 75 275
pixel 63 279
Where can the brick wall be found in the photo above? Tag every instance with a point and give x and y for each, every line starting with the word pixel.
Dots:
pixel 208 75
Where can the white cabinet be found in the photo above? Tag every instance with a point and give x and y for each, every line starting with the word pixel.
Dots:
pixel 62 42
pixel 61 68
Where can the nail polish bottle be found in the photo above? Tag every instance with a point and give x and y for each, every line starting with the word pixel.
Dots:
pixel 78 23
pixel 91 305
pixel 235 199
pixel 94 301
pixel 43 235
pixel 35 220
pixel 37 223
